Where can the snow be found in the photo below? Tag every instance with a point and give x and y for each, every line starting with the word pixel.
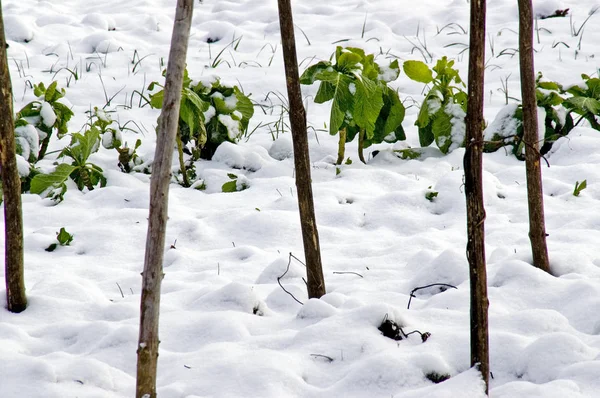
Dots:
pixel 209 114
pixel 282 148
pixel 548 7
pixel 231 102
pixel 457 119
pixel 387 74
pixel 504 125
pixel 47 114
pixel 352 88
pixel 434 105
pixel 18 29
pixel 110 137
pixel 217 94
pixel 228 329
pixel 28 138
pixel 23 166
pixel 242 157
pixel 232 126
pixel 206 81
pixel 102 115
pixel 99 21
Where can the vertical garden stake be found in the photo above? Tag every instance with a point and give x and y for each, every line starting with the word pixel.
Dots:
pixel 535 196
pixel 11 185
pixel 310 236
pixel 159 194
pixel 473 164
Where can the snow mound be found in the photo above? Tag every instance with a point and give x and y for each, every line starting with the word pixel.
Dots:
pixel 316 309
pixel 450 267
pixel 581 143
pixel 55 19
pixel 18 29
pixel 542 9
pixel 233 296
pixel 554 389
pixel 277 269
pixel 99 21
pixel 101 42
pixel 215 31
pixel 391 373
pixel 251 158
pixel 542 360
pixel 282 148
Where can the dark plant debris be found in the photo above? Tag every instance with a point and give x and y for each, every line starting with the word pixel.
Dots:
pixel 436 377
pixel 392 330
pixel 556 14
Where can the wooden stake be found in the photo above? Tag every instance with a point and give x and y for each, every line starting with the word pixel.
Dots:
pixel 11 185
pixel 310 235
pixel 535 195
pixel 159 194
pixel 473 164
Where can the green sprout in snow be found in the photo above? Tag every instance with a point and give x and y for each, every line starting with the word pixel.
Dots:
pixel 210 114
pixel 442 114
pixel 363 104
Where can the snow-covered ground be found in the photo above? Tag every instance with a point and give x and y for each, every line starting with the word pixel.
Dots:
pixel 380 236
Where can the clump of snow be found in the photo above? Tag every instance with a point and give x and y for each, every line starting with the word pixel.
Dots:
pixel 235 296
pixel 18 29
pixel 103 22
pixel 232 126
pixel 450 197
pixel 393 374
pixel 242 182
pixel 504 125
pixel 112 139
pixel 543 359
pixel 198 184
pixel 23 147
pixel 316 309
pixel 251 158
pixel 231 103
pixel 581 143
pixel 541 116
pixel 458 132
pixel 101 42
pixel 280 301
pixel 387 74
pixel 209 114
pixel 352 88
pixel 277 269
pixel 102 115
pixel 207 80
pixel 450 267
pixel 433 105
pixel 47 114
pixel 215 30
pixel 23 166
pixel 282 148
pixel 335 299
pixel 27 139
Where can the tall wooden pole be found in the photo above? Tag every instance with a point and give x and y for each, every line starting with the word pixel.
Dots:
pixel 159 194
pixel 473 164
pixel 11 185
pixel 310 235
pixel 535 195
